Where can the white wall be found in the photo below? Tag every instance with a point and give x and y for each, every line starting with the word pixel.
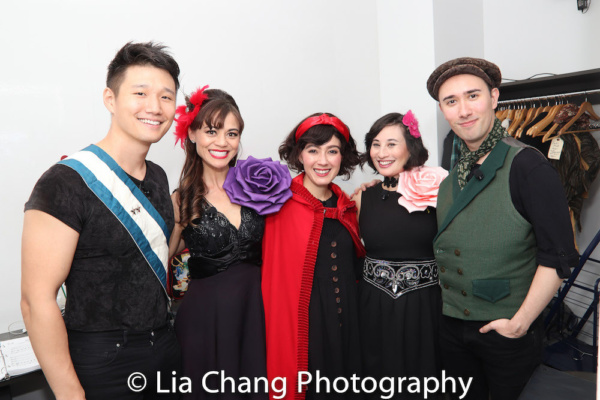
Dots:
pixel 280 60
pixel 458 32
pixel 535 36
pixel 406 58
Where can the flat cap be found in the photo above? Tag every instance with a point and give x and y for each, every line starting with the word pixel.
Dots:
pixel 484 69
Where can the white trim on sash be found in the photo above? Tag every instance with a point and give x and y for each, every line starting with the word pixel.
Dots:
pixel 125 200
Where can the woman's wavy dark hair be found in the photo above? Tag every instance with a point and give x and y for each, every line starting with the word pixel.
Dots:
pixel 416 148
pixel 290 150
pixel 192 189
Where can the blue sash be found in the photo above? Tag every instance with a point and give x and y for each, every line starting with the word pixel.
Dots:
pixel 126 201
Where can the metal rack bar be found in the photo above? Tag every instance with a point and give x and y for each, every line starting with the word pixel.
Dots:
pixel 550 97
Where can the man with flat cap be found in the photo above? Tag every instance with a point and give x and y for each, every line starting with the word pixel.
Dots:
pixel 504 241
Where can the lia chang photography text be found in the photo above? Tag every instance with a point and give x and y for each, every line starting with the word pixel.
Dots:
pixel 387 386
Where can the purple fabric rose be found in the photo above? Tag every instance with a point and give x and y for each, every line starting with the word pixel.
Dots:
pixel 262 185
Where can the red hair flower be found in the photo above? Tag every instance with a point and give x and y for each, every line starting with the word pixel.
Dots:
pixel 186 117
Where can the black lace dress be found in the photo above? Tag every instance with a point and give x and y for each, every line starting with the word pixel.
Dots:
pixel 399 308
pixel 220 323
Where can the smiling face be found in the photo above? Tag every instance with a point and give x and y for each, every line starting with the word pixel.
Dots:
pixel 217 146
pixel 389 151
pixel 144 107
pixel 321 164
pixel 468 106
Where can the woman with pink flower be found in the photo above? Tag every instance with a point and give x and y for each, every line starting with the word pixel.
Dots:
pixel 399 295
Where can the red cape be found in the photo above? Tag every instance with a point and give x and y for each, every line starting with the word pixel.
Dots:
pixel 290 244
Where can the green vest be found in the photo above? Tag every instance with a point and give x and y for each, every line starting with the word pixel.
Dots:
pixel 485 249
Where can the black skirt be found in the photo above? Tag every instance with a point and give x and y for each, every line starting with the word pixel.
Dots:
pixel 399 334
pixel 220 327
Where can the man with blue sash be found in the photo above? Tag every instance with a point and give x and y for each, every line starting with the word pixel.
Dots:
pixel 504 241
pixel 100 221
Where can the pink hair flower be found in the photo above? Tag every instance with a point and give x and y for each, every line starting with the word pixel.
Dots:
pixel 413 125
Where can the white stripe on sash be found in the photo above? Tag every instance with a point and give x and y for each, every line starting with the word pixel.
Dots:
pixel 150 228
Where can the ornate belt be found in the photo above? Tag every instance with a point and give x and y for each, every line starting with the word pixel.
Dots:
pixel 398 278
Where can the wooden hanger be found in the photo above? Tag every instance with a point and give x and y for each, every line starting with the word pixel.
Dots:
pixel 531 113
pixel 537 129
pixel 584 107
pixel 501 114
pixel 583 130
pixel 519 117
pixel 542 109
pixel 510 114
pixel 548 135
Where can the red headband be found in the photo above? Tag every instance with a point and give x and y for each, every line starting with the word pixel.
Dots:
pixel 187 117
pixel 323 119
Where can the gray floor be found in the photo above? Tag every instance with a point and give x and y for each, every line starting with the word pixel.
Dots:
pixel 551 384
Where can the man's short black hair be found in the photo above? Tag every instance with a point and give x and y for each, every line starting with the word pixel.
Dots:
pixel 149 53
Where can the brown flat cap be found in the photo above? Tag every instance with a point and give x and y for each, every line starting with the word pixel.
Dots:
pixel 484 69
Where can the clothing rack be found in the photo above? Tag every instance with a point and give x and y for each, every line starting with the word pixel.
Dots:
pixel 584 85
pixel 554 97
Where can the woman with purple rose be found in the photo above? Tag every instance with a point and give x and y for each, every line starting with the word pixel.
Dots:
pixel 310 249
pixel 399 294
pixel 220 323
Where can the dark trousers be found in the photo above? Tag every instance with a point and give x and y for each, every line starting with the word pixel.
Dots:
pixel 500 366
pixel 105 362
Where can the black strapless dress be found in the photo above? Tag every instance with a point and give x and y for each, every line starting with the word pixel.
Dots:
pixel 220 323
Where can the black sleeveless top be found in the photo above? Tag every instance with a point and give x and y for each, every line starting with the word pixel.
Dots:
pixel 390 232
pixel 215 244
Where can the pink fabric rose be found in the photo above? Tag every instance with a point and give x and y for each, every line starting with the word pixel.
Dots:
pixel 419 187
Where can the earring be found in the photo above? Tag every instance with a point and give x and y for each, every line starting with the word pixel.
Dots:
pixel 192 141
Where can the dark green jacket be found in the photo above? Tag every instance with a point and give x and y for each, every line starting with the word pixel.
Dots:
pixel 485 249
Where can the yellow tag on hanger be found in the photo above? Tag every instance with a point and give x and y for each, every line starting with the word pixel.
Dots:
pixel 556 148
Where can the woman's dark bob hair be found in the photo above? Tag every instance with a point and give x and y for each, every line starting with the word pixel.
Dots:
pixel 418 152
pixel 290 150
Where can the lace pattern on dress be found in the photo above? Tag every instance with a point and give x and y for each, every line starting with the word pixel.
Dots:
pixel 213 232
